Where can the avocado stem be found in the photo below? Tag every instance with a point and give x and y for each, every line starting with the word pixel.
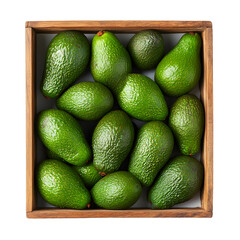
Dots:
pixel 102 174
pixel 88 205
pixel 192 33
pixel 100 33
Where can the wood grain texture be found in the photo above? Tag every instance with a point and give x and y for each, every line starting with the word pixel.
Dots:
pixel 119 26
pixel 207 98
pixel 205 28
pixel 132 213
pixel 30 114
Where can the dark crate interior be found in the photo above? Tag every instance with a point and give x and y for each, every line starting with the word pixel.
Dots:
pixel 42 42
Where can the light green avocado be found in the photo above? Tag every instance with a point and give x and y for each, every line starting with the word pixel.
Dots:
pixel 110 60
pixel 141 98
pixel 152 150
pixel 178 182
pixel 86 100
pixel 61 186
pixel 62 134
pixel 180 70
pixel 119 190
pixel 88 174
pixel 67 58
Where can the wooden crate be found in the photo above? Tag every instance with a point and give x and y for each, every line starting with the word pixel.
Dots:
pixel 205 29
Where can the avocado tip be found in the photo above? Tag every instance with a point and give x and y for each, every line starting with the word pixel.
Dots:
pixel 47 97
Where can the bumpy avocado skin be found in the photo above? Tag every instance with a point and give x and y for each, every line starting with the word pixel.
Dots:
pixel 146 49
pixel 180 70
pixel 186 120
pixel 178 182
pixel 52 155
pixel 88 174
pixel 62 134
pixel 119 190
pixel 67 58
pixel 86 100
pixel 110 60
pixel 141 98
pixel 112 141
pixel 152 150
pixel 61 186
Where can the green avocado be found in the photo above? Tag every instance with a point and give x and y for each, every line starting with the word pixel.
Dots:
pixel 180 70
pixel 110 60
pixel 153 148
pixel 112 141
pixel 119 190
pixel 186 120
pixel 52 155
pixel 61 186
pixel 62 134
pixel 67 58
pixel 178 182
pixel 88 174
pixel 86 100
pixel 141 98
pixel 146 49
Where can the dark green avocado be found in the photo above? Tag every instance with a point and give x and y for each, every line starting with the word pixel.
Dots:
pixel 186 120
pixel 67 58
pixel 62 134
pixel 61 186
pixel 146 49
pixel 178 182
pixel 112 141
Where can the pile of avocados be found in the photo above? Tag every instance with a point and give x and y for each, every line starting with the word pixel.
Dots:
pixel 79 174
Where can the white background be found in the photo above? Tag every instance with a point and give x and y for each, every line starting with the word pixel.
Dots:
pixel 226 34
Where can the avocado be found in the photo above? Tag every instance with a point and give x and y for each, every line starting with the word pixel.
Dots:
pixel 186 120
pixel 141 98
pixel 52 155
pixel 178 182
pixel 110 60
pixel 61 186
pixel 119 190
pixel 86 100
pixel 112 141
pixel 62 134
pixel 180 70
pixel 146 49
pixel 88 174
pixel 67 58
pixel 152 150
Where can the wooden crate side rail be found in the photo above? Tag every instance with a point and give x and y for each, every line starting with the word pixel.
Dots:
pixel 207 98
pixel 119 26
pixel 30 114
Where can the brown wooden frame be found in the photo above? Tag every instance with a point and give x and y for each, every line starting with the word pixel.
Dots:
pixel 205 29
